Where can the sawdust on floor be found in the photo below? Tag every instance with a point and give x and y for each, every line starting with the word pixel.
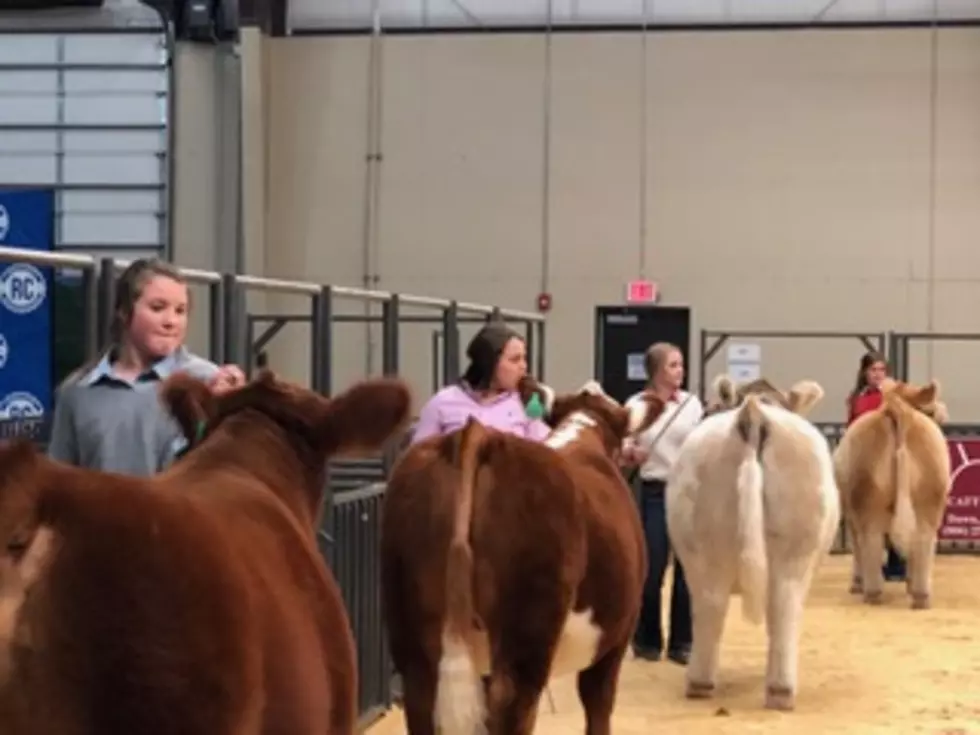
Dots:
pixel 863 670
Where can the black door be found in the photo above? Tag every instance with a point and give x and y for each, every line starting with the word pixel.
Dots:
pixel 622 336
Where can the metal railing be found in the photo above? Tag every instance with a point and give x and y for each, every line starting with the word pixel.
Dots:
pixel 349 537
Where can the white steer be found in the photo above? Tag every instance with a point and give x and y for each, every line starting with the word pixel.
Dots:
pixel 752 508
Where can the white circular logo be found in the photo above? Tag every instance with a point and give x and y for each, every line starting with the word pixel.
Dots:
pixel 20 405
pixel 4 351
pixel 22 288
pixel 4 222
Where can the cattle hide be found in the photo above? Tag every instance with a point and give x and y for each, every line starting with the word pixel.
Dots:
pixel 752 509
pixel 893 470
pixel 194 602
pixel 527 555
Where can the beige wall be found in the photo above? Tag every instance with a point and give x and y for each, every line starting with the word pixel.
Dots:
pixel 788 186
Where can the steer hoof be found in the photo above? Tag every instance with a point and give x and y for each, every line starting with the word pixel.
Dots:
pixel 857 587
pixel 873 598
pixel 700 690
pixel 780 698
pixel 921 601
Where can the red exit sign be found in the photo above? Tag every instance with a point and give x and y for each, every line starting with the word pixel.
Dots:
pixel 641 292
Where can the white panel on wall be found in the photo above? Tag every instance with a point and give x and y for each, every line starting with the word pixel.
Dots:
pixel 476 13
pixel 21 49
pixel 110 48
pixel 17 169
pixel 110 228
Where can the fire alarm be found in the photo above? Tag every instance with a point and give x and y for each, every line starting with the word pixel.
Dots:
pixel 544 302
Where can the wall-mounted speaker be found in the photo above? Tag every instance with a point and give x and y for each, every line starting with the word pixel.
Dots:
pixel 206 21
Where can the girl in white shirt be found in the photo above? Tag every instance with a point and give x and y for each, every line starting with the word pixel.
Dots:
pixel 654 452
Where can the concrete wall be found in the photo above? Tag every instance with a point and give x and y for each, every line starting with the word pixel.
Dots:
pixel 788 186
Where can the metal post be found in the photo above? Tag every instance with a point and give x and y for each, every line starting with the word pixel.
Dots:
pixel 529 346
pixel 321 334
pixel 436 360
pixel 450 344
pixel 389 340
pixel 230 297
pixel 90 319
pixel 389 363
pixel 217 342
pixel 106 299
pixel 703 358
pixel 540 350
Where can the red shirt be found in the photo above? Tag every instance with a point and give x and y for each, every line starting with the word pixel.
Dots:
pixel 867 400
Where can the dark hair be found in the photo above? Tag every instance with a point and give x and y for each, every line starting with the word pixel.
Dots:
pixel 484 352
pixel 867 360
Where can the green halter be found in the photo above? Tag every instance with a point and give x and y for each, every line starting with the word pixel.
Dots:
pixel 534 408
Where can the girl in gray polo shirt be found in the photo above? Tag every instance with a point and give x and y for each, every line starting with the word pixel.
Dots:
pixel 107 414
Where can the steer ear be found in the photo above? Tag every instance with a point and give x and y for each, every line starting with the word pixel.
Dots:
pixel 644 409
pixel 803 396
pixel 189 401
pixel 363 418
pixel 726 391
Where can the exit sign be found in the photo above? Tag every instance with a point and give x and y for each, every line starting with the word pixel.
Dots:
pixel 641 292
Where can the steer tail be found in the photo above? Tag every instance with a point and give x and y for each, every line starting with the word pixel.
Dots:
pixel 752 427
pixel 460 708
pixel 903 523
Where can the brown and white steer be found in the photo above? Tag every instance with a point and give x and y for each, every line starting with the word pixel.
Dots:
pixel 752 508
pixel 515 561
pixel 195 602
pixel 893 470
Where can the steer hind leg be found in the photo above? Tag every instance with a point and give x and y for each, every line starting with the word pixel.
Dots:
pixel 709 608
pixel 872 548
pixel 787 591
pixel 921 556
pixel 857 585
pixel 522 655
pixel 597 691
pixel 419 684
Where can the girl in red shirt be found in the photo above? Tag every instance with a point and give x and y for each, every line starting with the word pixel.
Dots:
pixel 866 397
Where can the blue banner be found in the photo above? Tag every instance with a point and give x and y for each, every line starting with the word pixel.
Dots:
pixel 26 221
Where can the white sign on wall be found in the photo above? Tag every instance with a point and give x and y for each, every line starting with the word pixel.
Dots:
pixel 744 362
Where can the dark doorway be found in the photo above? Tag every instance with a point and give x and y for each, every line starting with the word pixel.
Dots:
pixel 622 336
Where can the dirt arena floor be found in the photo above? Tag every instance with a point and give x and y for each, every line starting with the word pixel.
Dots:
pixel 863 670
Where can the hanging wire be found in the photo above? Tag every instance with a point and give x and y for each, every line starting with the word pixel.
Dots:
pixel 642 229
pixel 933 165
pixel 546 155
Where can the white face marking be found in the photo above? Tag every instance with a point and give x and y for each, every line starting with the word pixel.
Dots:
pixel 569 430
pixel 549 398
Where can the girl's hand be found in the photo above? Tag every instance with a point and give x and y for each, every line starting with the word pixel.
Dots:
pixel 228 378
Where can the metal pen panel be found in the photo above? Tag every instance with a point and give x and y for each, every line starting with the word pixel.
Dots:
pixel 450 343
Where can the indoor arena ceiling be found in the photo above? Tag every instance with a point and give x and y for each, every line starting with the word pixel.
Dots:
pixel 475 14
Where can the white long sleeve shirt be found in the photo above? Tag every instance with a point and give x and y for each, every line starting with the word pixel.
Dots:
pixel 662 452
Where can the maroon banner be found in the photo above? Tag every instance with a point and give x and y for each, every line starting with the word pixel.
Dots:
pixel 962 521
